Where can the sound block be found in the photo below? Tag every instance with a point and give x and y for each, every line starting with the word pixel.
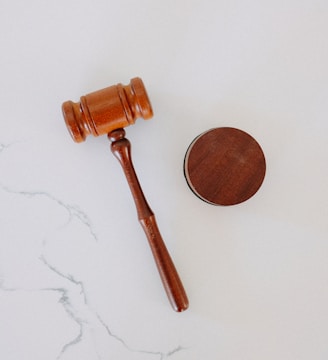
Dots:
pixel 224 166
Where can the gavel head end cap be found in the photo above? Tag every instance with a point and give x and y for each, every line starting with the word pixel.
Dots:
pixel 72 115
pixel 142 99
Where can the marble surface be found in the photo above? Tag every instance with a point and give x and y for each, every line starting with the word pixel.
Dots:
pixel 77 279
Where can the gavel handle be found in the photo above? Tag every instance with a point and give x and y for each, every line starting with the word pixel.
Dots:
pixel 121 148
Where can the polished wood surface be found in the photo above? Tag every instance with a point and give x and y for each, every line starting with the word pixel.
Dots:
pixel 105 110
pixel 224 166
pixel 121 148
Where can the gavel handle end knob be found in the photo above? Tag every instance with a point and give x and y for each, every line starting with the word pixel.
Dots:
pixel 168 273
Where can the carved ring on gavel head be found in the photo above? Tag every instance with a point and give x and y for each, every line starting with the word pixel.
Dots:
pixel 108 111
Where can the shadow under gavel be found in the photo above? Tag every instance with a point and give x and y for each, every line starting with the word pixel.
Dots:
pixel 108 111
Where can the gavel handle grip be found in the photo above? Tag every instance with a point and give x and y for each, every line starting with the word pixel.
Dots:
pixel 121 148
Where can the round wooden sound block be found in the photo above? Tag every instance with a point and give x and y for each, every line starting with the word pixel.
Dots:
pixel 224 166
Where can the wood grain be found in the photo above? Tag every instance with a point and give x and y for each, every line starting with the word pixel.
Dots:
pixel 105 110
pixel 224 166
pixel 175 291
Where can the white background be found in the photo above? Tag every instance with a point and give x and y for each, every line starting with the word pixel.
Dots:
pixel 77 277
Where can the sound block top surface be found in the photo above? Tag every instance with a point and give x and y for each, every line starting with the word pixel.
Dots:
pixel 224 166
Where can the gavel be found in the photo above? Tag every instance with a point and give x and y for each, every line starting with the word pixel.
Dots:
pixel 109 111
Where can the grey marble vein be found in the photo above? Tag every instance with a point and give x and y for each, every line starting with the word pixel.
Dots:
pixel 174 351
pixel 87 317
pixel 67 305
pixel 68 277
pixel 64 300
pixel 3 147
pixel 161 355
pixel 72 210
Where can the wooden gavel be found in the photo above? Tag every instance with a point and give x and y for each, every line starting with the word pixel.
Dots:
pixel 108 111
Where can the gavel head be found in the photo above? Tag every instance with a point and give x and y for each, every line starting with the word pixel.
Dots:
pixel 108 109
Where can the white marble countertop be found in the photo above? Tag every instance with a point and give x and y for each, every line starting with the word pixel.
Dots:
pixel 77 278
